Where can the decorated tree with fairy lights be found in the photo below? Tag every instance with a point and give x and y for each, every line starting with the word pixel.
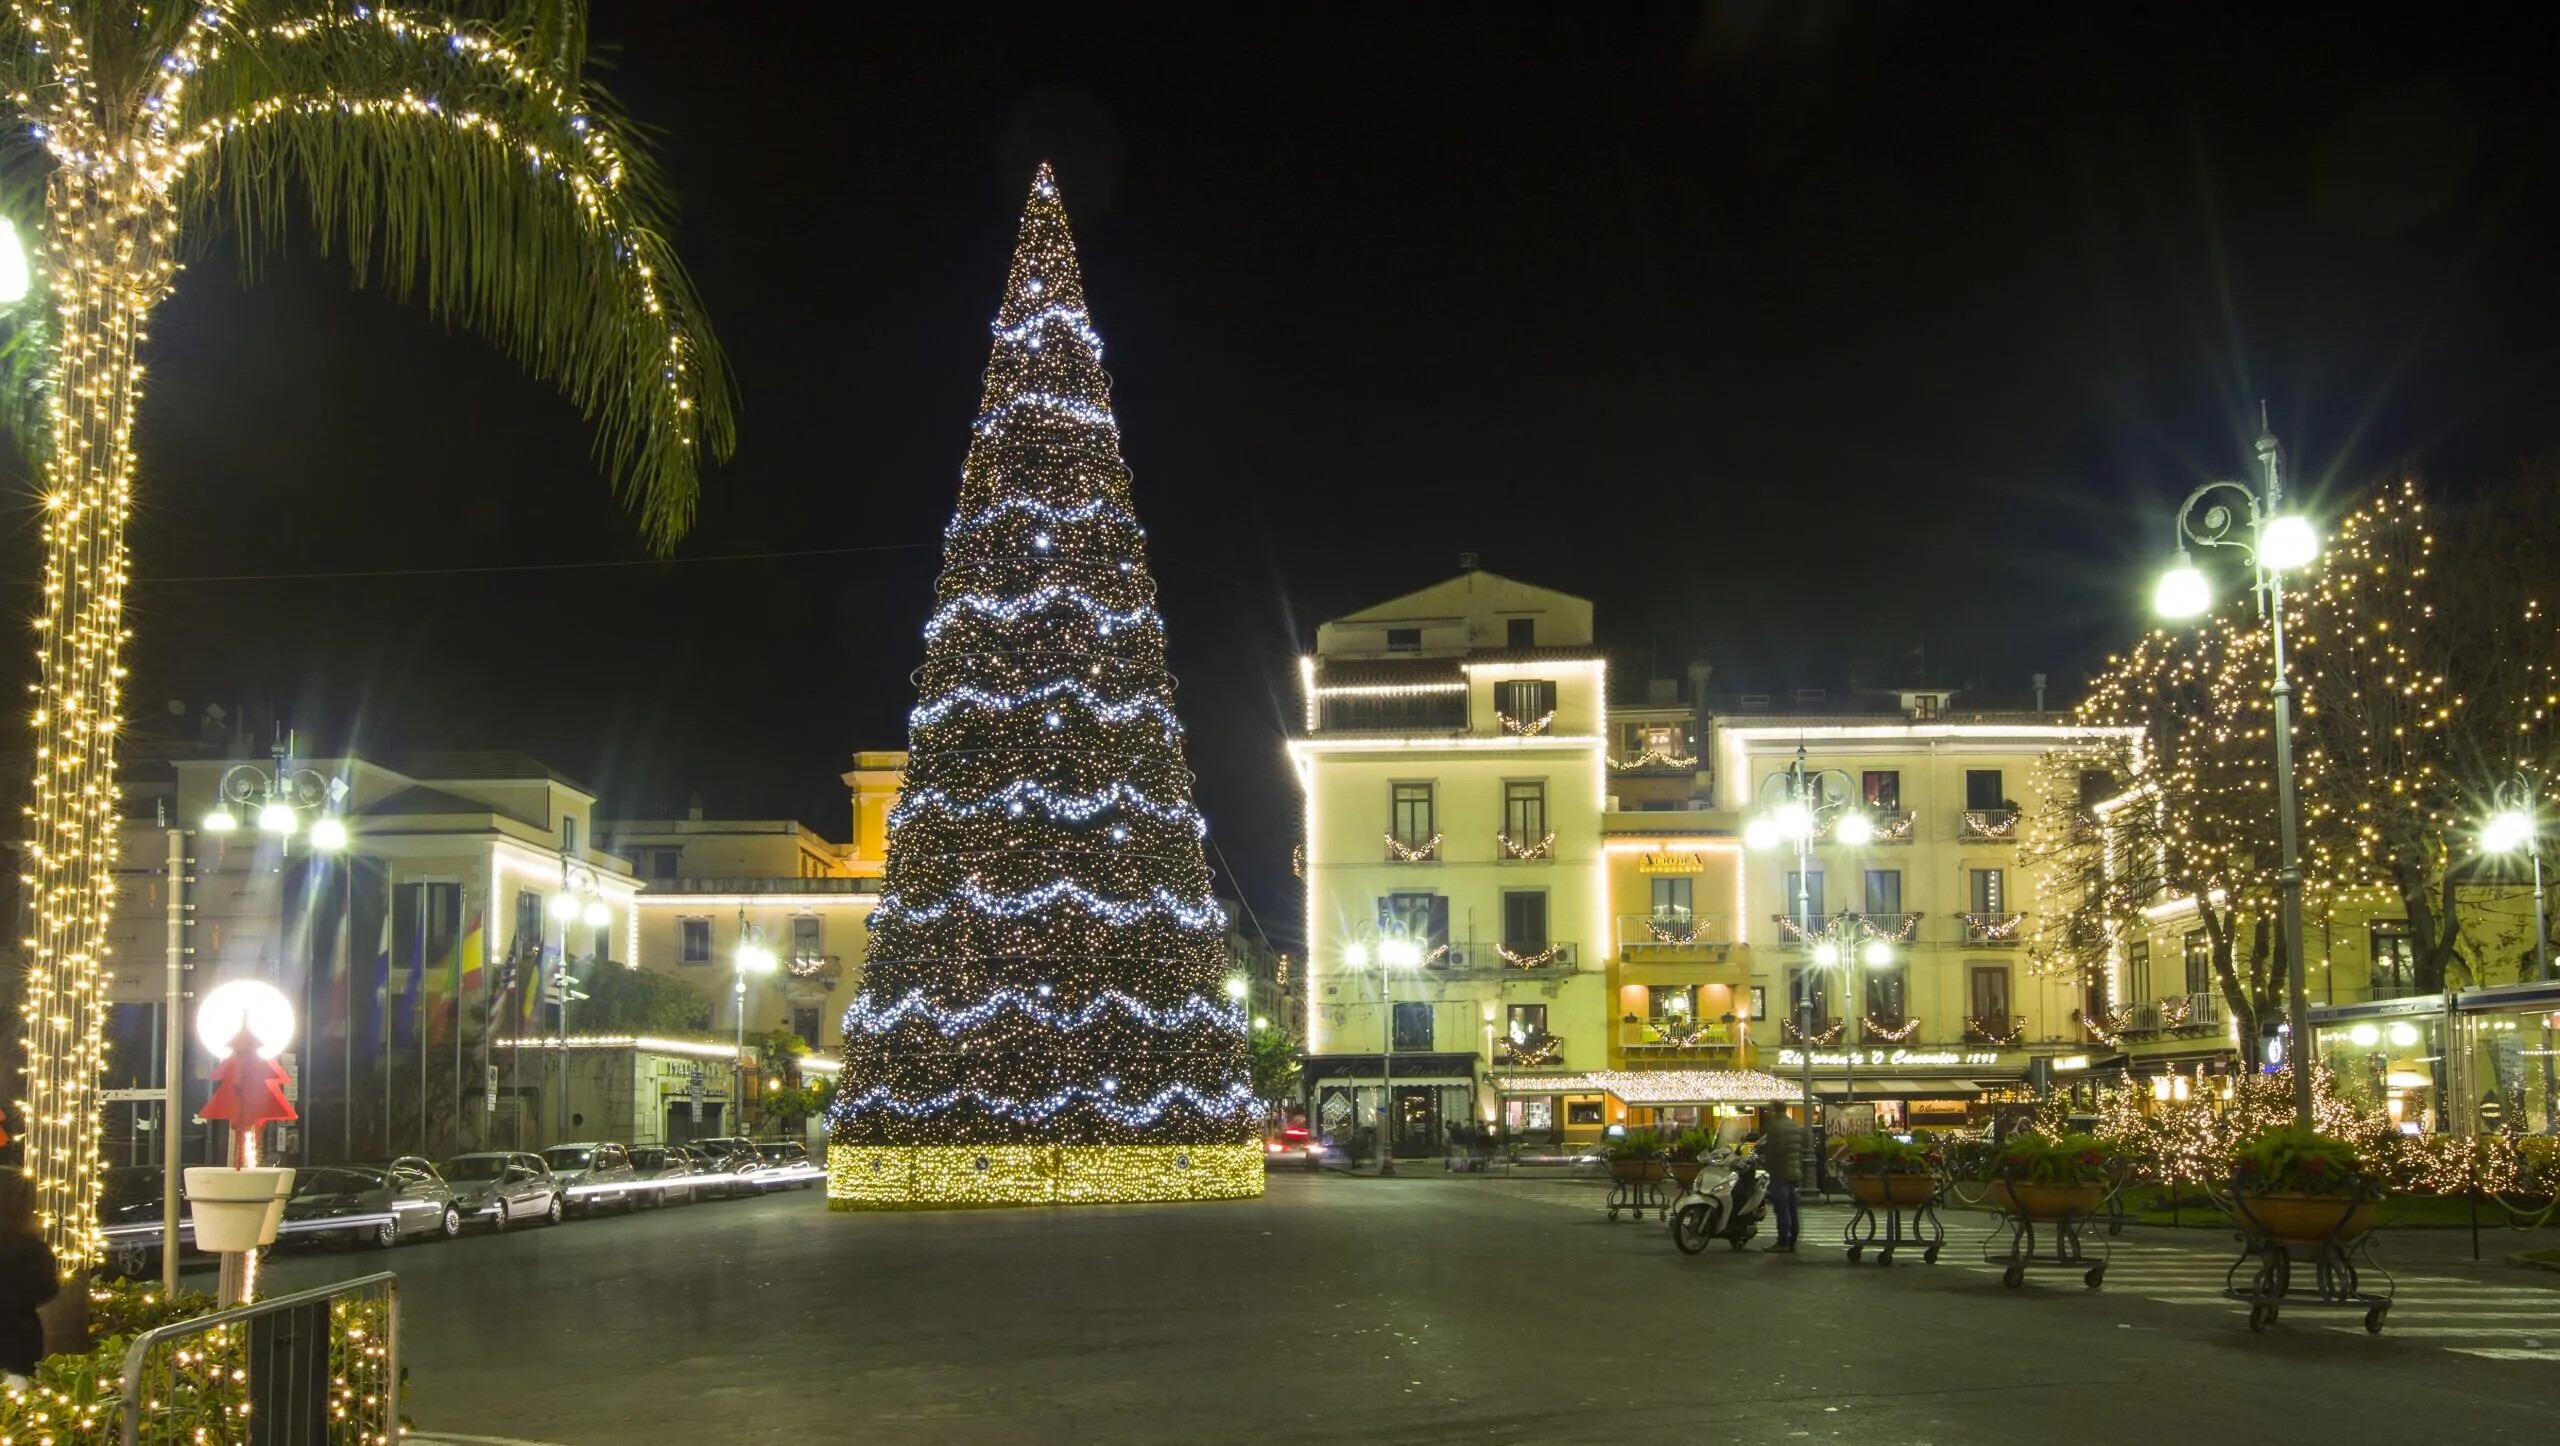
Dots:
pixel 1042 1017
pixel 456 154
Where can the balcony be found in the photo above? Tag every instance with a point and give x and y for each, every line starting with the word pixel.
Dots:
pixel 1642 935
pixel 1413 851
pixel 1848 927
pixel 1826 1030
pixel 1540 850
pixel 1537 1051
pixel 1890 826
pixel 819 969
pixel 1992 931
pixel 1524 958
pixel 2201 1010
pixel 1673 1038
pixel 1989 825
pixel 1485 959
pixel 1998 1030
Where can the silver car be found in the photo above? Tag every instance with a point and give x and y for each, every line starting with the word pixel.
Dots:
pixel 664 1175
pixel 597 1175
pixel 499 1188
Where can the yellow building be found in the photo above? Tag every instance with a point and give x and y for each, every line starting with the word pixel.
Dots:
pixel 710 885
pixel 1453 763
pixel 1948 1013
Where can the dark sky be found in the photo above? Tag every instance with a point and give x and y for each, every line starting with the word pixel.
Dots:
pixel 1807 334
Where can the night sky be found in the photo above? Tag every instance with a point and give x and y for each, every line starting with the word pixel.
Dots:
pixel 1839 341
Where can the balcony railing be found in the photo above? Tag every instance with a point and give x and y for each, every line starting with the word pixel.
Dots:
pixel 1826 1030
pixel 1999 931
pixel 1671 1035
pixel 1849 927
pixel 1664 931
pixel 2201 1010
pixel 1989 825
pixel 1995 1029
pixel 1553 954
pixel 1525 850
pixel 1538 1051
pixel 815 968
pixel 1413 851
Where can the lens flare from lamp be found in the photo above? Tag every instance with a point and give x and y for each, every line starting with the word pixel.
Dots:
pixel 2507 832
pixel 1400 953
pixel 564 906
pixel 1355 956
pixel 1826 954
pixel 1792 819
pixel 755 959
pixel 1879 953
pixel 261 1006
pixel 597 915
pixel 328 835
pixel 276 818
pixel 2183 592
pixel 1236 989
pixel 2403 1035
pixel 1759 833
pixel 220 821
pixel 2288 542
pixel 1853 828
pixel 2364 1036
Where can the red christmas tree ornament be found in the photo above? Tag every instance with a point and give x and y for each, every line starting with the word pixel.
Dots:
pixel 247 1091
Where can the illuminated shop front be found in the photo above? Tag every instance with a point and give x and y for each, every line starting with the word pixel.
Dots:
pixel 2481 1061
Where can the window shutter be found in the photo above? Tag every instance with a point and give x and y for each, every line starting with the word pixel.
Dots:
pixel 1439 920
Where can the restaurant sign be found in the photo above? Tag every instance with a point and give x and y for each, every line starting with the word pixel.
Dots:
pixel 1895 1058
pixel 1670 863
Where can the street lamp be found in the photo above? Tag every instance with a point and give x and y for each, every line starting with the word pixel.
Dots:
pixel 1393 952
pixel 2518 825
pixel 580 898
pixel 277 796
pixel 2275 542
pixel 1795 805
pixel 754 956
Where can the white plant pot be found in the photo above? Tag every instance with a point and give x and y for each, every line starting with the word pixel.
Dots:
pixel 236 1210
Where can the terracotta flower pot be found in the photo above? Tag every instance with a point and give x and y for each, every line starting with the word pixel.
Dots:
pixel 1685 1172
pixel 1896 1191
pixel 1636 1170
pixel 2046 1202
pixel 2293 1218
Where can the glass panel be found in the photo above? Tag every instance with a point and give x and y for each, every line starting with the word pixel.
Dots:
pixel 1411 817
pixel 1884 791
pixel 1671 896
pixel 1812 893
pixel 1884 891
pixel 1524 812
pixel 1985 890
pixel 1413 1027
pixel 1982 788
pixel 1991 994
pixel 1527 1022
pixel 1672 1003
pixel 1524 919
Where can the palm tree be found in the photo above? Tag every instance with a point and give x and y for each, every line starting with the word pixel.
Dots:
pixel 455 152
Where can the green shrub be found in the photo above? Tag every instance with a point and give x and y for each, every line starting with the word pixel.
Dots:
pixel 2294 1159
pixel 1879 1155
pixel 2073 1159
pixel 1635 1145
pixel 1693 1145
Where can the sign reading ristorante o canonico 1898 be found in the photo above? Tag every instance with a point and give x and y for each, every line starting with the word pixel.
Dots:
pixel 1897 1058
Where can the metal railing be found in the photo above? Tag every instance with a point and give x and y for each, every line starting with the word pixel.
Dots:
pixel 1993 930
pixel 1849 927
pixel 1537 1052
pixel 1995 1029
pixel 1674 930
pixel 319 1365
pixel 1989 825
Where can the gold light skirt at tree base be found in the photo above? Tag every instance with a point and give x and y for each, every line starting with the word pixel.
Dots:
pixel 945 1177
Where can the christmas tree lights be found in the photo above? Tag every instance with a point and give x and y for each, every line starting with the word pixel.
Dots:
pixel 1037 1021
pixel 453 157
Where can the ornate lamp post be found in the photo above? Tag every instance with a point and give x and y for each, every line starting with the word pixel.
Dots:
pixel 1393 951
pixel 2518 825
pixel 2274 542
pixel 580 898
pixel 1796 806
pixel 754 956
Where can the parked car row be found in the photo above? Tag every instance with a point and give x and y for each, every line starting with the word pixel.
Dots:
pixel 413 1198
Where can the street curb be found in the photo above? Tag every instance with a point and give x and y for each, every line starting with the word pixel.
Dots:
pixel 2529 1263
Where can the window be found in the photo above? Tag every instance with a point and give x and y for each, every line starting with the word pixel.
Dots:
pixel 528 933
pixel 2137 971
pixel 663 865
pixel 1582 1112
pixel 804 1023
pixel 1884 891
pixel 1884 994
pixel 1665 740
pixel 1982 789
pixel 2199 960
pixel 808 936
pixel 697 941
pixel 1812 892
pixel 568 833
pixel 1525 701
pixel 1410 814
pixel 1527 1024
pixel 1404 640
pixel 1524 920
pixel 1423 918
pixel 1524 812
pixel 1521 632
pixel 2096 786
pixel 603 950
pixel 1884 791
pixel 1926 706
pixel 2395 962
pixel 1671 896
pixel 1672 1004
pixel 1413 1027
pixel 1809 984
pixel 1984 891
pixel 1991 995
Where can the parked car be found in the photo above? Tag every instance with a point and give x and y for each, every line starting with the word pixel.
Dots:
pixel 711 1171
pixel 597 1174
pixel 1292 1147
pixel 499 1188
pixel 664 1175
pixel 738 1157
pixel 413 1197
pixel 132 1198
pixel 789 1163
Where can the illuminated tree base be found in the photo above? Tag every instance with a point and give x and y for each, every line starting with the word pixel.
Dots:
pixel 944 1177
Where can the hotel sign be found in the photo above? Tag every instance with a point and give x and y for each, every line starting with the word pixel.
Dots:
pixel 1668 863
pixel 1894 1058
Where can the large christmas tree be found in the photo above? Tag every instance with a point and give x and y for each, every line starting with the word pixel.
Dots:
pixel 1043 1018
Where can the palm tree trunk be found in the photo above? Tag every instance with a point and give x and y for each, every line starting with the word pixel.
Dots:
pixel 107 235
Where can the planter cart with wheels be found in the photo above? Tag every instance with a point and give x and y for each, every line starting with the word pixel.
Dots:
pixel 1909 1207
pixel 2060 1225
pixel 1635 1186
pixel 2308 1252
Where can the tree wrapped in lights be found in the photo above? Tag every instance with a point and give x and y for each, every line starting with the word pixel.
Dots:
pixel 454 153
pixel 1042 1018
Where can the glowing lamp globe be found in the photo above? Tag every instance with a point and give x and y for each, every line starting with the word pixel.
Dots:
pixel 597 915
pixel 2288 542
pixel 1826 954
pixel 1759 833
pixel 277 819
pixel 1400 953
pixel 755 959
pixel 1356 955
pixel 252 1003
pixel 220 821
pixel 328 835
pixel 1793 820
pixel 1236 990
pixel 2507 832
pixel 564 906
pixel 1879 953
pixel 2183 592
pixel 1853 829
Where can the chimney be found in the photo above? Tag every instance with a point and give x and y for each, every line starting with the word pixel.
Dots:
pixel 693 806
pixel 1699 671
pixel 1467 562
pixel 2039 692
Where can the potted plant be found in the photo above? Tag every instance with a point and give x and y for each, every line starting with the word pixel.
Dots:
pixel 1687 1155
pixel 1636 1156
pixel 1882 1170
pixel 2051 1177
pixel 2298 1186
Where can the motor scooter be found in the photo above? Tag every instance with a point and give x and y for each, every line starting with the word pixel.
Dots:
pixel 1726 1202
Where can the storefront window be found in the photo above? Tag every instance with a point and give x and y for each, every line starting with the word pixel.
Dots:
pixel 1529 1116
pixel 1672 1003
pixel 2395 1065
pixel 2508 1072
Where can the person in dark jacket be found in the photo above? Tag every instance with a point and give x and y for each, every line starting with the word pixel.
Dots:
pixel 1782 1143
pixel 27 1279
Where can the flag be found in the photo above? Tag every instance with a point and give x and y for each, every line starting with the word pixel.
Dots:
pixel 457 974
pixel 377 1014
pixel 341 968
pixel 405 1024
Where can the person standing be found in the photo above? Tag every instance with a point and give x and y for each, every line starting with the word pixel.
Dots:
pixel 1782 1151
pixel 27 1280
